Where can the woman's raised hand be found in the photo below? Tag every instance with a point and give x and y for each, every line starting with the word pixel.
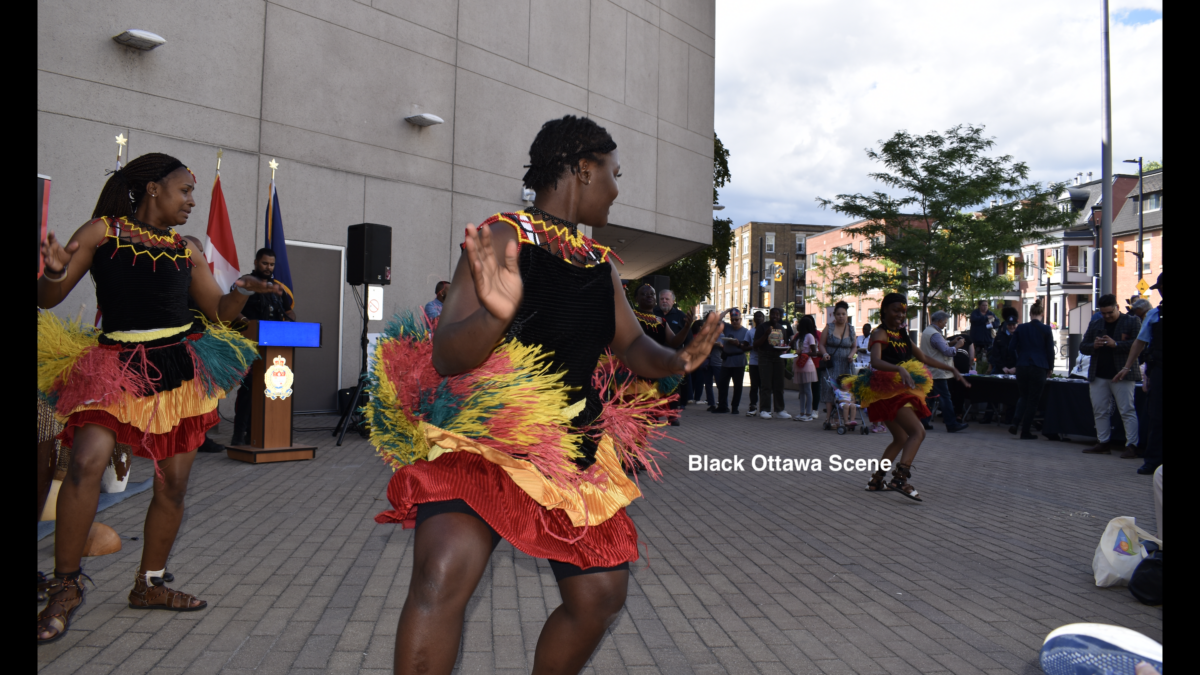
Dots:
pixel 699 349
pixel 253 283
pixel 498 283
pixel 55 256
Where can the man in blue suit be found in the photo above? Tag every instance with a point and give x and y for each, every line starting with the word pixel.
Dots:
pixel 1033 344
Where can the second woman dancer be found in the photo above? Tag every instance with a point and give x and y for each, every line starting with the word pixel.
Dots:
pixel 507 423
pixel 894 393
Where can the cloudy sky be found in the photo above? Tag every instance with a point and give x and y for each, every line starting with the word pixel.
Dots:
pixel 802 88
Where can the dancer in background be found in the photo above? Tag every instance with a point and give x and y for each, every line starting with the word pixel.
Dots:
pixel 150 378
pixel 509 421
pixel 894 393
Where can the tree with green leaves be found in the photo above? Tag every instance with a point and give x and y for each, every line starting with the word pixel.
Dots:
pixel 934 227
pixel 1154 164
pixel 690 275
pixel 829 278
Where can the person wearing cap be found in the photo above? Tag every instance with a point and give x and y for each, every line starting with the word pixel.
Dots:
pixel 1150 336
pixel 1139 307
pixel 1001 356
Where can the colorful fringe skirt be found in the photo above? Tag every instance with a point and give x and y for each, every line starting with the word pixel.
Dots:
pixel 157 390
pixel 499 438
pixel 884 394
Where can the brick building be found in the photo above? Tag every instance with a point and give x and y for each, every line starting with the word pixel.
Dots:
pixel 758 246
pixel 1125 229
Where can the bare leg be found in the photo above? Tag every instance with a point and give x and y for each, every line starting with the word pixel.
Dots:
pixel 899 438
pixel 590 605
pixel 450 553
pixel 907 421
pixel 166 510
pixel 79 493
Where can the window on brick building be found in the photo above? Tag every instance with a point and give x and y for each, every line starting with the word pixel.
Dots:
pixel 770 242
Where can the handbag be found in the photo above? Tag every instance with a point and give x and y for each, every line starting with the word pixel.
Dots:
pixel 801 359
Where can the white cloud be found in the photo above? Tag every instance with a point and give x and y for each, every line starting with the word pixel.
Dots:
pixel 803 88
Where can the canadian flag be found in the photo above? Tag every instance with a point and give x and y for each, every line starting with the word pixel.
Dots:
pixel 220 249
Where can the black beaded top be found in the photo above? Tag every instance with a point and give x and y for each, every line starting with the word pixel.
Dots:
pixel 569 312
pixel 898 348
pixel 142 277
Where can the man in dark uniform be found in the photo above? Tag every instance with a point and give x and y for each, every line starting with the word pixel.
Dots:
pixel 262 307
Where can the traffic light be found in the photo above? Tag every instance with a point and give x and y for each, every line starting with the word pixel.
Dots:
pixel 778 271
pixel 1012 267
pixel 1120 254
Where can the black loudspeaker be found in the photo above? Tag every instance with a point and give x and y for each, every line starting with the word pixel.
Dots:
pixel 369 254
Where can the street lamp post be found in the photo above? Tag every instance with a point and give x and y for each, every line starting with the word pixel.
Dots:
pixel 1141 211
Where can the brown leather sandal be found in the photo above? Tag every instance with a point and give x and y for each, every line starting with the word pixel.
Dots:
pixel 876 483
pixel 899 482
pixel 155 595
pixel 66 596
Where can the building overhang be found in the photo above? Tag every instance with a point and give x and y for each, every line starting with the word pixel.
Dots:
pixel 643 252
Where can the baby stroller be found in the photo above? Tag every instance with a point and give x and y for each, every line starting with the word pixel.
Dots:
pixel 837 416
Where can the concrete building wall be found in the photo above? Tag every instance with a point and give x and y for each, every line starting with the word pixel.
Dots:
pixel 323 87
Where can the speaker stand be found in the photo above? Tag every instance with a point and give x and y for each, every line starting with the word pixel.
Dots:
pixel 351 416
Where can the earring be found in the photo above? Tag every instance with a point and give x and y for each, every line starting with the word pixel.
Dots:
pixel 132 200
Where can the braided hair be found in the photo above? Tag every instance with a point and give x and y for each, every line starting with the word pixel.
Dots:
pixel 127 186
pixel 560 145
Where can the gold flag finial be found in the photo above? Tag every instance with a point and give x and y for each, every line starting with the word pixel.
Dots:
pixel 274 165
pixel 121 141
pixel 220 152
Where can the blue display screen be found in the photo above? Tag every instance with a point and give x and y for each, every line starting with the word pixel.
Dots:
pixel 289 334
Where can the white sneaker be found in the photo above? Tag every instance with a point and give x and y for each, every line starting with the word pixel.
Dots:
pixel 783 415
pixel 765 415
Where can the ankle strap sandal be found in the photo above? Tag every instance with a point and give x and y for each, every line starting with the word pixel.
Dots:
pixel 65 596
pixel 899 482
pixel 155 595
pixel 877 484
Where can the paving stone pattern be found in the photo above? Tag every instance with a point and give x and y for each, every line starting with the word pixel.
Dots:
pixel 742 573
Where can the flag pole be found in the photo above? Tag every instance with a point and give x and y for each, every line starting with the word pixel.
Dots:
pixel 271 201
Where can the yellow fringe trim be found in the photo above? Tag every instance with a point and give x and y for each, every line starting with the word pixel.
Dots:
pixel 172 406
pixel 146 336
pixel 602 501
pixel 59 345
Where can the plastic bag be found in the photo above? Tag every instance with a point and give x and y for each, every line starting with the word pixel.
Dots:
pixel 1120 551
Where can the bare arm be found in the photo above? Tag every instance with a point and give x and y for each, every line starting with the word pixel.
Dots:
pixel 643 355
pixel 1130 363
pixel 485 291
pixel 215 303
pixel 76 256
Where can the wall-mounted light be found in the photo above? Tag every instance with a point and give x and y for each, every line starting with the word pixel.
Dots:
pixel 423 120
pixel 140 39
pixel 718 207
pixel 528 195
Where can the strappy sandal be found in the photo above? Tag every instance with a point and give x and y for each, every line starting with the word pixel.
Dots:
pixel 43 586
pixel 65 597
pixel 877 484
pixel 155 595
pixel 899 482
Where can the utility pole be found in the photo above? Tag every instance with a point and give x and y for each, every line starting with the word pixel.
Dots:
pixel 1107 283
pixel 1141 212
pixel 762 272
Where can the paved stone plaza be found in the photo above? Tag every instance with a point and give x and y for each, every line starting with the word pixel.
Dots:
pixel 746 572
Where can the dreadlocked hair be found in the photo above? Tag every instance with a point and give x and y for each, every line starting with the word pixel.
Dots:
pixel 560 145
pixel 127 186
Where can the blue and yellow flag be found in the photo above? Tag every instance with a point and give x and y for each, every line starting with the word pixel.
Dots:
pixel 275 241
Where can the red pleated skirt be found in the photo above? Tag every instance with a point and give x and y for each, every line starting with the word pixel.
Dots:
pixel 187 435
pixel 885 410
pixel 527 525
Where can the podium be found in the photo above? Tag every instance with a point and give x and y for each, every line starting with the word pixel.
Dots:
pixel 271 398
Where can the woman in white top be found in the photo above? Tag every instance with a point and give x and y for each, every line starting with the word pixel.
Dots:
pixel 804 374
